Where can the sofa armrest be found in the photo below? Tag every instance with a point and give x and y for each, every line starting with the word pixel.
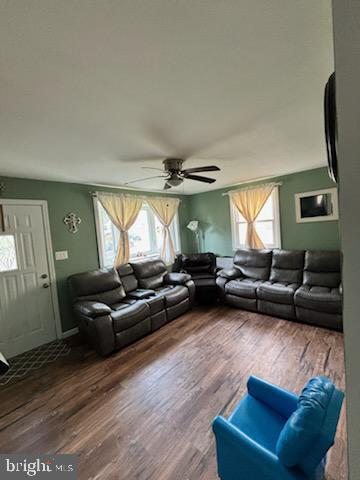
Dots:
pixel 177 278
pixel 280 400
pixel 91 309
pixel 239 456
pixel 230 273
pixel 100 332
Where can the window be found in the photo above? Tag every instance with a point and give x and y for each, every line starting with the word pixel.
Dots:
pixel 145 236
pixel 8 260
pixel 267 224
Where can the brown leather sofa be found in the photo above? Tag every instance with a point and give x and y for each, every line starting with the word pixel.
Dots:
pixel 116 307
pixel 293 284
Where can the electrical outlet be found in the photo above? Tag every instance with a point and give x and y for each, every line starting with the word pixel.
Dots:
pixel 63 255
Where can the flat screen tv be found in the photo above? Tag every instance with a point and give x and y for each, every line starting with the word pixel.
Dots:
pixel 316 206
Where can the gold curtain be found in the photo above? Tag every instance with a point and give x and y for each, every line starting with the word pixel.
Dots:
pixel 165 209
pixel 123 211
pixel 249 202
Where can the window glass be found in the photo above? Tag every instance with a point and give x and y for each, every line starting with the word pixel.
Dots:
pixel 159 233
pixel 265 231
pixel 145 236
pixel 266 224
pixel 139 235
pixel 267 210
pixel 242 229
pixel 8 260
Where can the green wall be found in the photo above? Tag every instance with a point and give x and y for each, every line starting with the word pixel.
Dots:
pixel 213 212
pixel 63 198
pixel 211 209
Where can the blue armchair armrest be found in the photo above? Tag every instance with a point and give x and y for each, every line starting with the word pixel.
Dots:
pixel 240 457
pixel 280 400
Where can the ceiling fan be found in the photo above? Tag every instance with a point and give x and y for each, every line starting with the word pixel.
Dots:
pixel 174 174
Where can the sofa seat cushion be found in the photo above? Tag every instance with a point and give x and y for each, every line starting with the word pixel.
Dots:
pixel 127 315
pixel 322 299
pixel 174 295
pixel 119 306
pixel 278 292
pixel 243 287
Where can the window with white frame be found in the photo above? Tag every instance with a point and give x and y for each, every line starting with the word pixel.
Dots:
pixel 145 236
pixel 267 224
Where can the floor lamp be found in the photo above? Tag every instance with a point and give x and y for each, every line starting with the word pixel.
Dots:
pixel 194 227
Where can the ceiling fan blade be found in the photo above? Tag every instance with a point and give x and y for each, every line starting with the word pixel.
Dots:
pixel 147 178
pixel 166 186
pixel 139 158
pixel 153 168
pixel 209 168
pixel 200 179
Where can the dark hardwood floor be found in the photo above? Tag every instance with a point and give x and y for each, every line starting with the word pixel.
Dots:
pixel 145 412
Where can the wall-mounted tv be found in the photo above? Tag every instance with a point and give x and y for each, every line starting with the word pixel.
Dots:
pixel 317 206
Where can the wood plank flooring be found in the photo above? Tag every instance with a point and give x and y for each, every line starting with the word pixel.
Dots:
pixel 145 412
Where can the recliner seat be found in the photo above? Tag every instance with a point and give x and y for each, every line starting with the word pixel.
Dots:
pixel 177 289
pixel 319 298
pixel 291 284
pixel 113 308
pixel 202 268
pixel 276 296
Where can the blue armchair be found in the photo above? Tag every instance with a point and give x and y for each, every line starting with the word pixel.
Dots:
pixel 275 435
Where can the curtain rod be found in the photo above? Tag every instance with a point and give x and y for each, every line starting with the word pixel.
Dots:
pixel 143 197
pixel 275 184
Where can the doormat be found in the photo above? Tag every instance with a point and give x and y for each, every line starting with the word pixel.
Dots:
pixel 34 359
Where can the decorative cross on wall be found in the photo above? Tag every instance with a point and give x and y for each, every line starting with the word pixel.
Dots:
pixel 72 221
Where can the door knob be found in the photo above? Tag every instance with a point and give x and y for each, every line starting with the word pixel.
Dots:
pixel 43 275
pixel 46 285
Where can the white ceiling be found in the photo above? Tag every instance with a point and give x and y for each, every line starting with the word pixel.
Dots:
pixel 90 90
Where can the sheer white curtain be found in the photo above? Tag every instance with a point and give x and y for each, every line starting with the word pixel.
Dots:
pixel 123 211
pixel 249 202
pixel 165 209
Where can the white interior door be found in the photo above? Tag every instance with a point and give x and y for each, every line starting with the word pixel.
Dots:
pixel 27 317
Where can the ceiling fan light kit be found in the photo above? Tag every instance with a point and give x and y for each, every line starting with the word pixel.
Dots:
pixel 175 174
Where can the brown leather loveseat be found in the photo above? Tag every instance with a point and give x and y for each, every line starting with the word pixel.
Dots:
pixel 117 307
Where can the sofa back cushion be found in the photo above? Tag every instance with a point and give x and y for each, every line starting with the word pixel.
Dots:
pixel 254 263
pixel 194 263
pixel 287 266
pixel 310 430
pixel 101 285
pixel 322 268
pixel 150 273
pixel 127 277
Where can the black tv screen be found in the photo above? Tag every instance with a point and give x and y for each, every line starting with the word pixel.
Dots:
pixel 316 206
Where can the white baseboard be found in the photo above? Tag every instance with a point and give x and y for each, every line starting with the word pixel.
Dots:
pixel 70 333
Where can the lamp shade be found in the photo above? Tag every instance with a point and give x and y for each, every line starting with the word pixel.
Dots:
pixel 193 225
